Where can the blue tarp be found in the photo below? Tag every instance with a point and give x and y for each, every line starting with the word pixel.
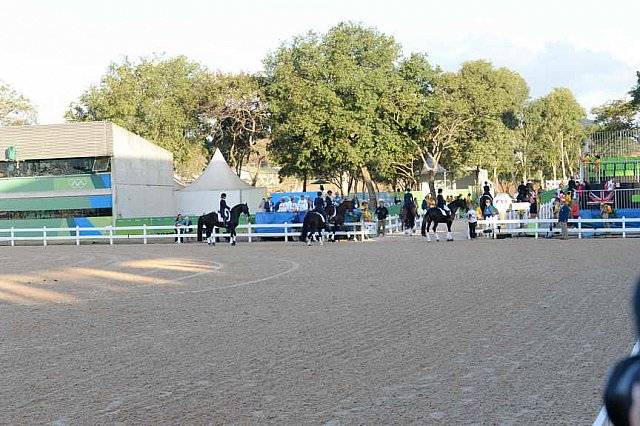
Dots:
pixel 275 217
pixel 619 213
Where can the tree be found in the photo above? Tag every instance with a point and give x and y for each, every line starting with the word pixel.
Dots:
pixel 15 108
pixel 436 116
pixel 158 99
pixel 562 134
pixel 496 98
pixel 329 96
pixel 234 115
pixel 635 92
pixel 615 115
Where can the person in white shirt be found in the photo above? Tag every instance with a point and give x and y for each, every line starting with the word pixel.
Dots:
pixel 282 207
pixel 291 205
pixel 303 205
pixel 472 217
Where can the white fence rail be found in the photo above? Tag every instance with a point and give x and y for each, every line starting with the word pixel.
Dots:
pixel 249 232
pixel 580 227
pixel 290 231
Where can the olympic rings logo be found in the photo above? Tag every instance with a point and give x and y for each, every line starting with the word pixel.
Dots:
pixel 77 183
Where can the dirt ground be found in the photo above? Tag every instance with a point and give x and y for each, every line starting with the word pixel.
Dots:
pixel 394 331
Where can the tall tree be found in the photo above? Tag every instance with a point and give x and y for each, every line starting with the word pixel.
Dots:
pixel 329 96
pixel 635 92
pixel 15 108
pixel 158 99
pixel 436 116
pixel 234 115
pixel 618 114
pixel 562 135
pixel 495 97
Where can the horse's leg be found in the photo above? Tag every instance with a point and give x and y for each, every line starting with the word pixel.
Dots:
pixel 428 230
pixel 449 236
pixel 232 235
pixel 435 229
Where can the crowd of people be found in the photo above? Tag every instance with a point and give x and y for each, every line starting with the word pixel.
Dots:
pixel 566 204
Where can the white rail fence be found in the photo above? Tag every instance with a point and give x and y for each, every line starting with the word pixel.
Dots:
pixel 144 233
pixel 582 228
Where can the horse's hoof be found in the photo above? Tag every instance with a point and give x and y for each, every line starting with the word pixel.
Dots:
pixel 233 243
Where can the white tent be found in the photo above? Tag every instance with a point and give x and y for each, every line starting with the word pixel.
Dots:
pixel 203 194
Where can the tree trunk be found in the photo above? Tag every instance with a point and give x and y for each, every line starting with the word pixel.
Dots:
pixel 555 172
pixel 304 183
pixel 564 169
pixel 431 181
pixel 366 177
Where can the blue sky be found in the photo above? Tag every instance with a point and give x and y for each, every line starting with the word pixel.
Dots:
pixel 51 51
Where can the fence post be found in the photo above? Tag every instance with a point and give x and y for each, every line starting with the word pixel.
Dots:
pixel 624 227
pixel 361 230
pixel 249 229
pixel 13 237
pixel 77 235
pixel 286 232
pixel 178 229
pixel 579 227
pixel 144 233
pixel 44 235
pixel 110 235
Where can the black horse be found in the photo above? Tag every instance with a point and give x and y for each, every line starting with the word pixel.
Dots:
pixel 434 215
pixel 337 220
pixel 211 220
pixel 408 215
pixel 312 228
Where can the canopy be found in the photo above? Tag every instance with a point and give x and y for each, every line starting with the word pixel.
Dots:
pixel 203 194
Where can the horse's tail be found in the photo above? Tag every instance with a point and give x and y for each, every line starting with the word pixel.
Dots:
pixel 200 228
pixel 303 233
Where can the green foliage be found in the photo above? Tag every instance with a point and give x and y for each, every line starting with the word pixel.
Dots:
pixel 635 92
pixel 15 109
pixel 331 98
pixel 233 114
pixel 561 135
pixel 157 99
pixel 614 115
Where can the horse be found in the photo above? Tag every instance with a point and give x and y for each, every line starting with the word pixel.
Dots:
pixel 312 228
pixel 434 215
pixel 408 215
pixel 337 220
pixel 211 220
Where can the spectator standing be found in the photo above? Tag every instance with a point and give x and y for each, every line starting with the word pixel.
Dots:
pixel 533 207
pixel 605 211
pixel 472 218
pixel 563 218
pixel 355 203
pixel 381 214
pixel 261 206
pixel 179 223
pixel 268 205
pixel 487 213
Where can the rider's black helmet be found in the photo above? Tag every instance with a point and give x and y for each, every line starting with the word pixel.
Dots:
pixel 223 195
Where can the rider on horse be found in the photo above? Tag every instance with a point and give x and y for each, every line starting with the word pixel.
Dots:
pixel 225 211
pixel 329 207
pixel 318 205
pixel 442 204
